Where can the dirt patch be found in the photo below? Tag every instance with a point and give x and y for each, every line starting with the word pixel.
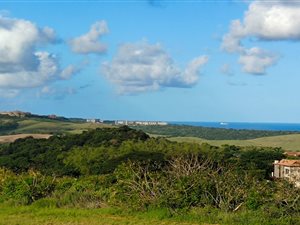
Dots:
pixel 12 138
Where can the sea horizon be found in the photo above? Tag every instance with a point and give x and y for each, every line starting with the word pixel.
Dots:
pixel 270 126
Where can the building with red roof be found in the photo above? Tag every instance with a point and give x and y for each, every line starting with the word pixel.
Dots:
pixel 288 169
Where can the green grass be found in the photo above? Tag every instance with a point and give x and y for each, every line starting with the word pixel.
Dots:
pixel 30 215
pixel 289 142
pixel 54 126
pixel 33 215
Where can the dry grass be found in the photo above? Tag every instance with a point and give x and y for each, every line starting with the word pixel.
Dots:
pixel 289 142
pixel 12 138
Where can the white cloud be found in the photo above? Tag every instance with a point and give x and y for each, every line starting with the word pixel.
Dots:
pixel 264 20
pixel 46 71
pixel 18 41
pixel 69 71
pixel 256 60
pixel 277 20
pixel 232 40
pixel 191 73
pixel 89 42
pixel 21 64
pixel 140 67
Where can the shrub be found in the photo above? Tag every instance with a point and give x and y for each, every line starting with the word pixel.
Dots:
pixel 85 192
pixel 27 188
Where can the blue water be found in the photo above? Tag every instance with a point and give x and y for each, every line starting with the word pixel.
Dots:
pixel 247 126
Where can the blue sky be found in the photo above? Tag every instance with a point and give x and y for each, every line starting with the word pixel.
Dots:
pixel 152 60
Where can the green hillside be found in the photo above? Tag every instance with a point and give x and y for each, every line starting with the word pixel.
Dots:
pixel 53 126
pixel 289 142
pixel 35 125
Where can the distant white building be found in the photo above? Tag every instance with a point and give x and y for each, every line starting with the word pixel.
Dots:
pixel 288 169
pixel 94 121
pixel 121 122
pixel 140 123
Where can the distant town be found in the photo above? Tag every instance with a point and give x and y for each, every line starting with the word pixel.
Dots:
pixel 128 122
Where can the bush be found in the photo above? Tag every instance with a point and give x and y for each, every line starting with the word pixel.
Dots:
pixel 85 192
pixel 27 188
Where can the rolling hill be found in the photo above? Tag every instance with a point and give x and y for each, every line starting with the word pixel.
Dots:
pixel 290 142
pixel 35 124
pixel 42 127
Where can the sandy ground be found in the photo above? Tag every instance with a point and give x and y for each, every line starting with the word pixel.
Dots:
pixel 12 138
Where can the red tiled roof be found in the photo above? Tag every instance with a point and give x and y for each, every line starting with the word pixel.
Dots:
pixel 288 162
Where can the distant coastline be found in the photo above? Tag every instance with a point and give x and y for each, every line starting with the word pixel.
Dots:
pixel 240 125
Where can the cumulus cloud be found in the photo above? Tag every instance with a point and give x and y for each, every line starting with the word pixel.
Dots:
pixel 70 71
pixel 18 41
pixel 21 64
pixel 264 20
pixel 23 78
pixel 89 42
pixel 191 73
pixel 140 67
pixel 232 40
pixel 278 20
pixel 256 60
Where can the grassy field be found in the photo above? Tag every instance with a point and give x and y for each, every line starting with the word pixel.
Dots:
pixel 28 215
pixel 43 128
pixel 54 126
pixel 12 138
pixel 289 142
pixel 32 215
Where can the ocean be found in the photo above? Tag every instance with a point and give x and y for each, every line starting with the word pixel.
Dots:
pixel 247 126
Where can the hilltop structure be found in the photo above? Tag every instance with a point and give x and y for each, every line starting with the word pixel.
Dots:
pixel 288 169
pixel 94 121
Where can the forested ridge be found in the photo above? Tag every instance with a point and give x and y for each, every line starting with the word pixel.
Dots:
pixel 210 133
pixel 125 168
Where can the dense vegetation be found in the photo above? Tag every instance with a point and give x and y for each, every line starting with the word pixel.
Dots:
pixel 210 133
pixel 7 125
pixel 127 169
pixel 48 155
